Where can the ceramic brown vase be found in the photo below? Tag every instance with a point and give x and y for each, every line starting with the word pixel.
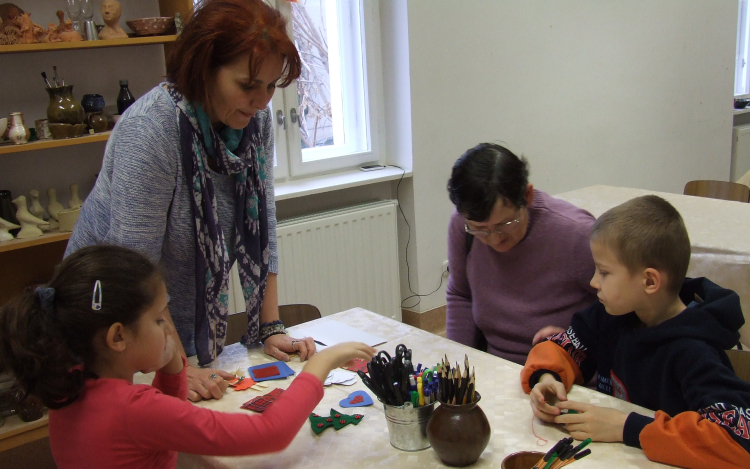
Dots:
pixel 459 433
pixel 63 108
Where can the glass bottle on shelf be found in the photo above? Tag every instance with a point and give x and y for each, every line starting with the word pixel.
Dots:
pixel 125 98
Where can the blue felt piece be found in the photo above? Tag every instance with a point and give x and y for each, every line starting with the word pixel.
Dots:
pixel 366 400
pixel 284 371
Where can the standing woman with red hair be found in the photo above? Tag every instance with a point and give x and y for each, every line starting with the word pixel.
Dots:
pixel 187 180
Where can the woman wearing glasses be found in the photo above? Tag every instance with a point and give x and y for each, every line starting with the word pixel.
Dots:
pixel 520 262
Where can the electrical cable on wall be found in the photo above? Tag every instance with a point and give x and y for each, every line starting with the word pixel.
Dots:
pixel 406 250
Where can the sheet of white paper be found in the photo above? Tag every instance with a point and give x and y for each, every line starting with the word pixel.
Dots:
pixel 333 332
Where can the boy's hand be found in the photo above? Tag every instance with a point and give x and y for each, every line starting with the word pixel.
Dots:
pixel 323 362
pixel 545 393
pixel 597 423
pixel 545 332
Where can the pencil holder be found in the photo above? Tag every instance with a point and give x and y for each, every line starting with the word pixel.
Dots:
pixel 407 425
pixel 459 433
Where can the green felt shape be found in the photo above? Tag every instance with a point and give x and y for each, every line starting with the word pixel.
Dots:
pixel 318 423
pixel 340 420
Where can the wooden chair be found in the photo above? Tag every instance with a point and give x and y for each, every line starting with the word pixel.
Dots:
pixel 718 190
pixel 741 363
pixel 291 315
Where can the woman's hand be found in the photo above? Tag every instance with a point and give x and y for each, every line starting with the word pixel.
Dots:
pixel 323 362
pixel 597 423
pixel 545 332
pixel 279 345
pixel 546 392
pixel 206 383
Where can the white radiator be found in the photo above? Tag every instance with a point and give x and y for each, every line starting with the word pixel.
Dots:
pixel 342 259
pixel 740 152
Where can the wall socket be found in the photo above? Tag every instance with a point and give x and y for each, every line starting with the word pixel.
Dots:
pixel 445 268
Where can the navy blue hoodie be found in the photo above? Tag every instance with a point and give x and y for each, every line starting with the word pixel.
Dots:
pixel 678 367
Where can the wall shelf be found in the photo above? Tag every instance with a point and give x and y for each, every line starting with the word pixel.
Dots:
pixel 131 41
pixel 46 238
pixel 50 143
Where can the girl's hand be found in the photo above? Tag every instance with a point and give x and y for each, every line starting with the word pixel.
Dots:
pixel 597 423
pixel 279 345
pixel 202 386
pixel 172 358
pixel 546 392
pixel 338 355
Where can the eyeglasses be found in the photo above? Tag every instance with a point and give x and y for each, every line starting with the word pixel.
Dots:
pixel 505 228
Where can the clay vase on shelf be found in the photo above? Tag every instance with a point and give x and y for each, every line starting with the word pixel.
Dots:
pixel 63 108
pixel 19 133
pixel 459 433
pixel 98 121
pixel 92 103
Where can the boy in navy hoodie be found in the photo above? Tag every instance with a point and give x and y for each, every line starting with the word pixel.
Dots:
pixel 655 339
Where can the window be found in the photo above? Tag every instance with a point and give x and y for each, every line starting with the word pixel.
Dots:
pixel 741 75
pixel 325 120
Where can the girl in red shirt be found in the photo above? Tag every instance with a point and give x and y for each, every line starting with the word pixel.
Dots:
pixel 77 342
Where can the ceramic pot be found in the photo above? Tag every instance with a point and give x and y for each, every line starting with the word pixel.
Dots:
pixel 68 218
pixel 459 433
pixel 92 103
pixel 63 108
pixel 18 133
pixel 98 121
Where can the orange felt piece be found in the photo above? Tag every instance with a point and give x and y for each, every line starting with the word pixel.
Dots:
pixel 244 384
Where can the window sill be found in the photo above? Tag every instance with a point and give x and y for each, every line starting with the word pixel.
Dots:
pixel 742 111
pixel 332 182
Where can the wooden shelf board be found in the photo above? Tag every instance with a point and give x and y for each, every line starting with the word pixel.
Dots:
pixel 131 41
pixel 50 143
pixel 50 237
pixel 19 433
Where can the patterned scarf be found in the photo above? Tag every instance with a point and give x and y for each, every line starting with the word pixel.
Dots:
pixel 239 153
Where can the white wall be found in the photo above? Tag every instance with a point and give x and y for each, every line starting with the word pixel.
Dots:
pixel 635 93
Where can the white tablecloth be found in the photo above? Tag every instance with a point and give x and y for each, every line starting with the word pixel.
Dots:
pixel 368 444
pixel 719 234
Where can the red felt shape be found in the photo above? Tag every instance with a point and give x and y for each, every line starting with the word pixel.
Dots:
pixel 267 372
pixel 359 365
pixel 357 399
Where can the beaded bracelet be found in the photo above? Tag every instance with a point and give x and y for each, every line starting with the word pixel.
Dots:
pixel 267 329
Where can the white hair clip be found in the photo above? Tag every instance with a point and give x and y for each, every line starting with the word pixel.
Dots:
pixel 96 298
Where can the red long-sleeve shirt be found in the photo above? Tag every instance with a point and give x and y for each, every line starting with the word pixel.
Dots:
pixel 116 424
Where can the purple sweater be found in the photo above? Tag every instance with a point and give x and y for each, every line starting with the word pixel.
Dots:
pixel 541 281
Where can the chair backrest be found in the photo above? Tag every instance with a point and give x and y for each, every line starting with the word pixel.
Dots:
pixel 718 190
pixel 291 315
pixel 741 363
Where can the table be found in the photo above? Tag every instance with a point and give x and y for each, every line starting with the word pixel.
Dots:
pixel 367 444
pixel 719 235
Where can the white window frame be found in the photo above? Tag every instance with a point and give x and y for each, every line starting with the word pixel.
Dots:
pixel 288 142
pixel 742 58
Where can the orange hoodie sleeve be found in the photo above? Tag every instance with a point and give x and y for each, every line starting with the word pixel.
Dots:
pixel 551 356
pixel 692 441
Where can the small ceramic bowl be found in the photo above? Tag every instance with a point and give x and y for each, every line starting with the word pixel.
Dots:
pixel 152 26
pixel 741 103
pixel 522 460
